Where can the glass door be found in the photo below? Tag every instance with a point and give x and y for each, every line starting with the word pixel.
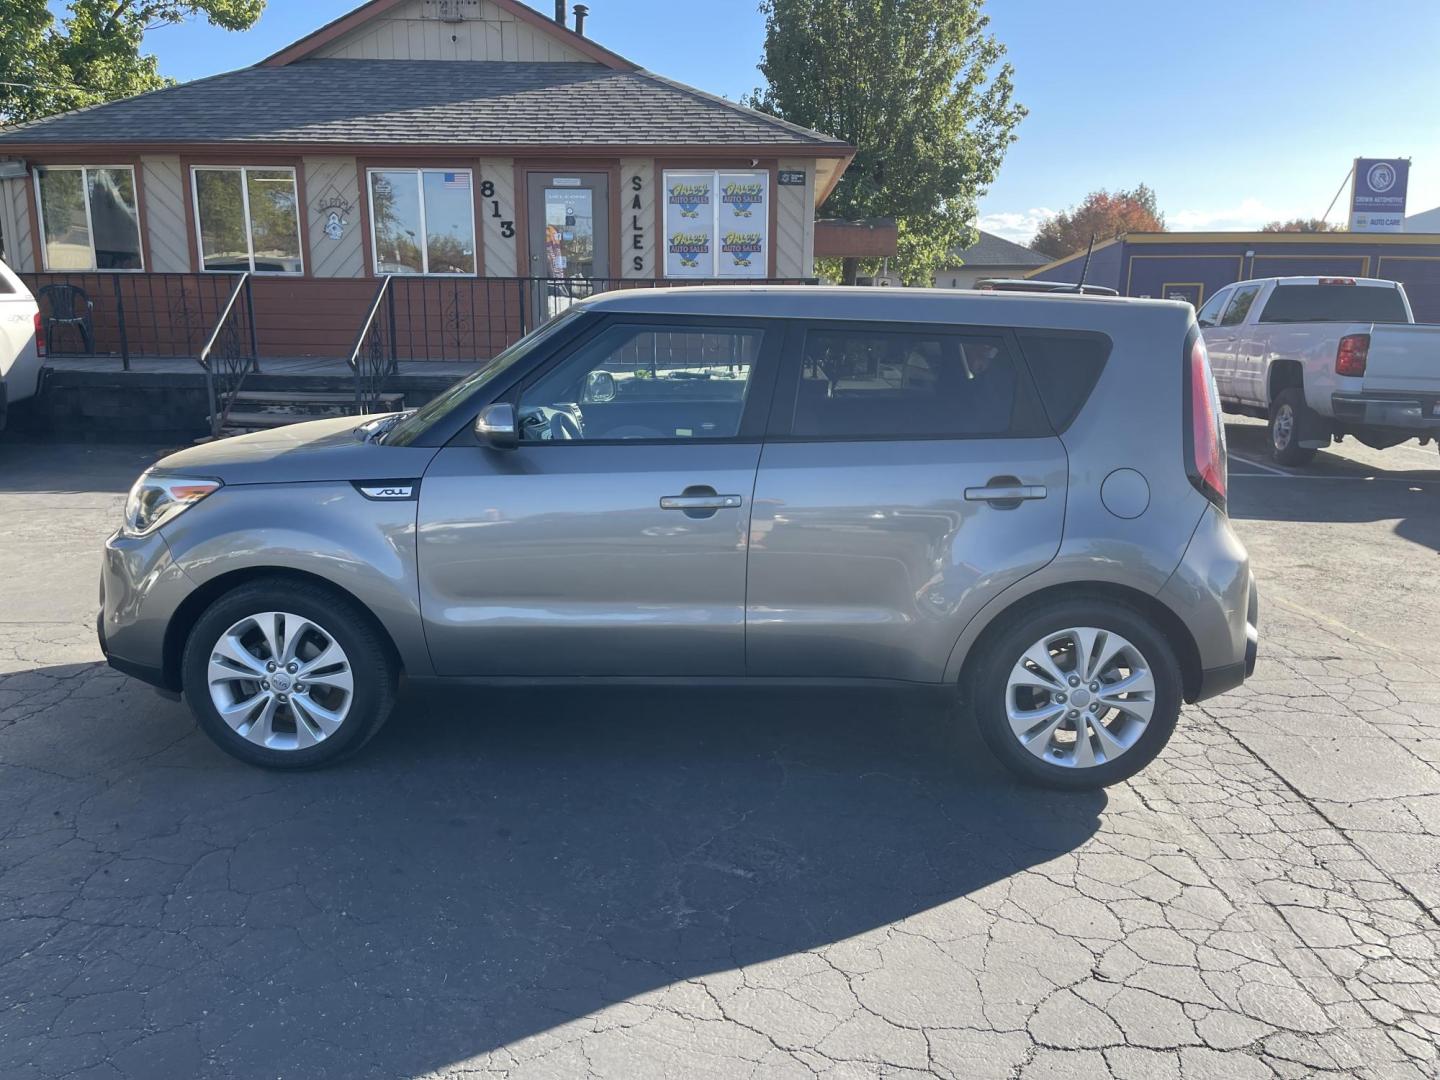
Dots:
pixel 569 237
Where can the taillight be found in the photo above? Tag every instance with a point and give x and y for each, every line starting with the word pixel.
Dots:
pixel 1206 462
pixel 39 335
pixel 1352 355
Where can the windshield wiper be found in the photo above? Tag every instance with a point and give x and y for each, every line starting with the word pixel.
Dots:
pixel 376 429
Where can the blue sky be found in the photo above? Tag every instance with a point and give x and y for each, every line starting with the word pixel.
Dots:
pixel 1234 111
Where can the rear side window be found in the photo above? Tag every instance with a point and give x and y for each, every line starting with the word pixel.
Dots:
pixel 1334 303
pixel 859 382
pixel 1240 305
pixel 1066 366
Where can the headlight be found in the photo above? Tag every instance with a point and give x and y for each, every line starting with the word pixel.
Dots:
pixel 154 500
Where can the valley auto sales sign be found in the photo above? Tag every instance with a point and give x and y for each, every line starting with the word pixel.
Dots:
pixel 1377 200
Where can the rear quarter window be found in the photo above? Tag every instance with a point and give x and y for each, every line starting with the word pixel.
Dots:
pixel 1334 303
pixel 1066 365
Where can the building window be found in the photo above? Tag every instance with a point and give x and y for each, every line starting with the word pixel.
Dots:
pixel 88 217
pixel 422 221
pixel 249 219
pixel 717 224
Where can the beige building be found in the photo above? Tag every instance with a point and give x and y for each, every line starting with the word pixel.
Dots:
pixel 445 139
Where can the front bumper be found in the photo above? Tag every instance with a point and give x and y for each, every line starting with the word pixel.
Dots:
pixel 140 590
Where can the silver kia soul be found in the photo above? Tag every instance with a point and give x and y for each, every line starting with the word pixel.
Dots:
pixel 1018 496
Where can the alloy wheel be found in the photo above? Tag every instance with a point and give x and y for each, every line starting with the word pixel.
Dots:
pixel 280 681
pixel 1283 429
pixel 1080 697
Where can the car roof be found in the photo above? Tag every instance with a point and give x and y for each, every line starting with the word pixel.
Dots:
pixel 1314 279
pixel 988 308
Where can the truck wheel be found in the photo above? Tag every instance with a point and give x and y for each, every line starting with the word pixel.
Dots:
pixel 1288 415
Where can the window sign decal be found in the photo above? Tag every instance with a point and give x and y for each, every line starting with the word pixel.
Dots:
pixel 689 224
pixel 717 224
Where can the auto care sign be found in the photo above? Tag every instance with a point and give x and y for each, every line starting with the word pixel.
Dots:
pixel 1377 194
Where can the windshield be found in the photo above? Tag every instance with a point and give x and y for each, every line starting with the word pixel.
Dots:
pixel 410 426
pixel 1334 303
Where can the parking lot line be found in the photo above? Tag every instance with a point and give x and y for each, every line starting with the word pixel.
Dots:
pixel 1258 465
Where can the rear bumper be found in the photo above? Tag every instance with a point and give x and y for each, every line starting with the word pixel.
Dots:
pixel 1214 681
pixel 1212 591
pixel 1413 413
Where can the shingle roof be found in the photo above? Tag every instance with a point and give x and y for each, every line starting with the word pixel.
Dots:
pixel 409 102
pixel 992 250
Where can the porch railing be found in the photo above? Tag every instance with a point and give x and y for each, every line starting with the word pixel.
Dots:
pixel 374 357
pixel 126 315
pixel 230 353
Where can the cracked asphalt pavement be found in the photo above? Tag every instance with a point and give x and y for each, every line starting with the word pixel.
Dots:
pixel 632 882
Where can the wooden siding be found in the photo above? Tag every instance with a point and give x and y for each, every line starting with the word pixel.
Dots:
pixel 501 257
pixel 20 251
pixel 402 34
pixel 637 222
pixel 329 181
pixel 795 222
pixel 165 223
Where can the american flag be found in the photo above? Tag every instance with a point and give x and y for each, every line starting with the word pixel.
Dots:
pixel 455 179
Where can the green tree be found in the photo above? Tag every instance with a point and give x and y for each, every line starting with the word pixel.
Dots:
pixel 1313 224
pixel 1103 215
pixel 92 54
pixel 918 87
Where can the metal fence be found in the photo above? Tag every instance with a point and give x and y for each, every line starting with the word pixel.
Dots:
pixel 460 319
pixel 125 315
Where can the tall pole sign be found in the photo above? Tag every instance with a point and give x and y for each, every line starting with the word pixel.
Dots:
pixel 1377 194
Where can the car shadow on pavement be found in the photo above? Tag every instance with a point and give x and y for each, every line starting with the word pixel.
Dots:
pixel 496 863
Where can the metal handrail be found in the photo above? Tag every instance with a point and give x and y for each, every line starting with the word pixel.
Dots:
pixel 354 358
pixel 204 357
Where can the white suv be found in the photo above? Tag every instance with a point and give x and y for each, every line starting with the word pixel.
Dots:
pixel 20 339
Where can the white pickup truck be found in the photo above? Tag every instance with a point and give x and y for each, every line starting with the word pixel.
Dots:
pixel 20 342
pixel 1322 358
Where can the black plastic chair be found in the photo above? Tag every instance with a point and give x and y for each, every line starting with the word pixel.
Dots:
pixel 69 305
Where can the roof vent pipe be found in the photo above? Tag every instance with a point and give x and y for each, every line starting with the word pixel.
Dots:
pixel 560 12
pixel 581 11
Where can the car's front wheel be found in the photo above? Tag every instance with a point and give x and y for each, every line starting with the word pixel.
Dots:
pixel 1077 694
pixel 288 675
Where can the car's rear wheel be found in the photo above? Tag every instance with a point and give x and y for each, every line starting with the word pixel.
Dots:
pixel 1077 694
pixel 288 675
pixel 1288 415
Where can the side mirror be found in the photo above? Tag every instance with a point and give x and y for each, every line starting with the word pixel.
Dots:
pixel 495 427
pixel 599 386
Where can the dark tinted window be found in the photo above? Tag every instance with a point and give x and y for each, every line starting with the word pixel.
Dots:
pixel 1240 305
pixel 858 382
pixel 1066 367
pixel 1334 303
pixel 1210 313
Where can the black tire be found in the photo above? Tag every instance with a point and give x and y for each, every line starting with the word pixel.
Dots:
pixel 990 676
pixel 1285 448
pixel 372 666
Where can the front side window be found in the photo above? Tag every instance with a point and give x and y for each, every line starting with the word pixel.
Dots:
pixel 422 221
pixel 1209 315
pixel 249 219
pixel 879 383
pixel 645 382
pixel 88 217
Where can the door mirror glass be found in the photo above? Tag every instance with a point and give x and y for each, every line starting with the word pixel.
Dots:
pixel 495 426
pixel 599 387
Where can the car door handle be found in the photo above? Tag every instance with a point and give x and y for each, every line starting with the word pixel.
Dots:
pixel 700 502
pixel 1005 492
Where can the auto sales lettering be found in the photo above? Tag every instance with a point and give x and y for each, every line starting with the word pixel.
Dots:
pixel 689 247
pixel 690 198
pixel 742 245
pixel 741 197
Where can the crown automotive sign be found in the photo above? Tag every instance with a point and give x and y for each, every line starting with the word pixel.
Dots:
pixel 1377 194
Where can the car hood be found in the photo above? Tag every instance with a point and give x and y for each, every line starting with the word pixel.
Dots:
pixel 318 450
